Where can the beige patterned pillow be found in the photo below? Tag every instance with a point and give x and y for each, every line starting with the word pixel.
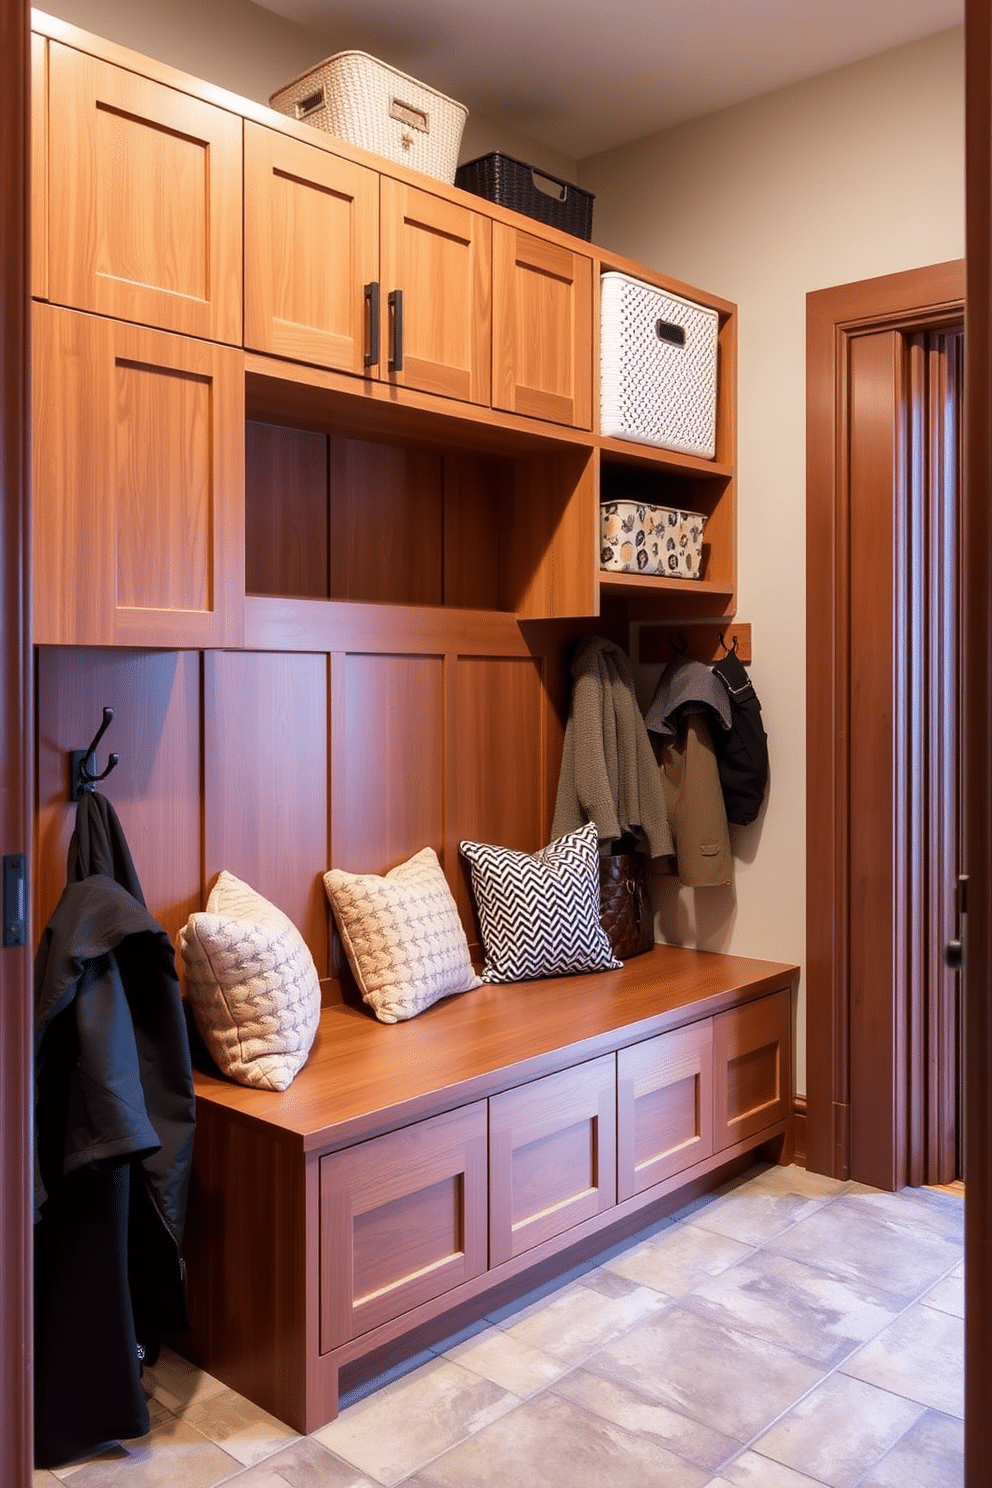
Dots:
pixel 252 984
pixel 402 936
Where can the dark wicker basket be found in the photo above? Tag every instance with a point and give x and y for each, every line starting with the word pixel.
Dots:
pixel 511 183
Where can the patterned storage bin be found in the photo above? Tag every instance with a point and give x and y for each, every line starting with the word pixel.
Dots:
pixel 637 537
pixel 362 100
pixel 658 360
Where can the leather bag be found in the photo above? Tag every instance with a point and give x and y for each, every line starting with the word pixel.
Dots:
pixel 625 904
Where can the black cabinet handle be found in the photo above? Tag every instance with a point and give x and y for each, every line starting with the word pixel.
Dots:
pixel 372 308
pixel 396 330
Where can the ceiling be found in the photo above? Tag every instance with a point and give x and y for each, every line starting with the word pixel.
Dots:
pixel 584 75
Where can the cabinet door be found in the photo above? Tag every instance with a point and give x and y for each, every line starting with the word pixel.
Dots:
pixel 542 328
pixel 402 1219
pixel 752 1067
pixel 664 1107
pixel 138 485
pixel 311 247
pixel 438 256
pixel 552 1156
pixel 144 200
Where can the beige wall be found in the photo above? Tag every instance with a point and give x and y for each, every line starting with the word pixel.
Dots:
pixel 857 173
pixel 252 52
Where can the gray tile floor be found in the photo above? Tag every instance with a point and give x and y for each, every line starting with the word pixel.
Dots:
pixel 787 1332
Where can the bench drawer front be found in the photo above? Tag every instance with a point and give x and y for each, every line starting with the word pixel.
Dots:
pixel 552 1156
pixel 752 1062
pixel 664 1107
pixel 402 1219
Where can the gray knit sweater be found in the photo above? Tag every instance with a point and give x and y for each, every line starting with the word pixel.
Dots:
pixel 609 774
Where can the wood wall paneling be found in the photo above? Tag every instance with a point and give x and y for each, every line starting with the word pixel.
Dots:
pixel 265 728
pixel 287 520
pixel 386 515
pixel 306 210
pixel 146 221
pixel 497 783
pixel 474 491
pixel 155 789
pixel 388 759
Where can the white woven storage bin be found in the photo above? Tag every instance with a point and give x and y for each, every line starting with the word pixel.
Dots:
pixel 362 100
pixel 639 537
pixel 658 358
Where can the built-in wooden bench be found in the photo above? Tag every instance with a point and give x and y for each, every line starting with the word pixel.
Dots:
pixel 413 1174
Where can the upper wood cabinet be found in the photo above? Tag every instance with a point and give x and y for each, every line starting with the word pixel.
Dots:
pixel 138 485
pixel 144 202
pixel 436 274
pixel 542 328
pixel 362 273
pixel 311 246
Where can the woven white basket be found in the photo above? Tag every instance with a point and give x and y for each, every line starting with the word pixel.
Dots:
pixel 658 360
pixel 362 100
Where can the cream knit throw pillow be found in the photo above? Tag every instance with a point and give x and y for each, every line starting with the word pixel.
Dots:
pixel 402 936
pixel 252 984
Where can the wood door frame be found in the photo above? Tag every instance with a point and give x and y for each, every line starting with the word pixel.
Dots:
pixel 915 299
pixel 16 782
pixel 977 650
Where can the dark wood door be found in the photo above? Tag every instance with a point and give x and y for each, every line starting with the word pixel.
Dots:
pixel 16 790
pixel 977 784
pixel 884 375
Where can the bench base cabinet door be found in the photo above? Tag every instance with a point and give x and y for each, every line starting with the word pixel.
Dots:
pixel 552 1156
pixel 402 1220
pixel 664 1107
pixel 752 1061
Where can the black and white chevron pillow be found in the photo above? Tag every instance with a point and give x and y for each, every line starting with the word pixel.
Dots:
pixel 539 912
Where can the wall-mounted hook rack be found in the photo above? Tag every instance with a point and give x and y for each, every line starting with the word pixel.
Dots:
pixel 706 643
pixel 83 773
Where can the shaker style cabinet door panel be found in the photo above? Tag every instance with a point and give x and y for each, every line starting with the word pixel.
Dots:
pixel 542 328
pixel 436 294
pixel 552 1156
pixel 311 253
pixel 144 200
pixel 402 1220
pixel 138 485
pixel 752 1065
pixel 664 1106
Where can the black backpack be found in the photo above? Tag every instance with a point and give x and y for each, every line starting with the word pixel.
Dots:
pixel 742 750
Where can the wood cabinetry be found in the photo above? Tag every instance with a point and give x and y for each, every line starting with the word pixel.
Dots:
pixel 374 1164
pixel 138 480
pixel 542 341
pixel 552 1157
pixel 144 200
pixel 383 312
pixel 402 1220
